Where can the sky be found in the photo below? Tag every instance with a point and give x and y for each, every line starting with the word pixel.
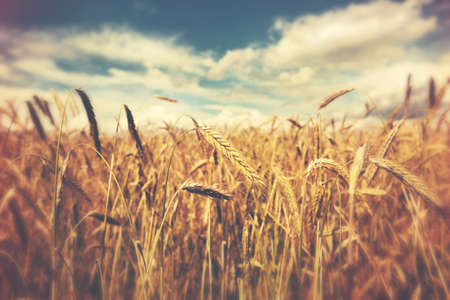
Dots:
pixel 225 61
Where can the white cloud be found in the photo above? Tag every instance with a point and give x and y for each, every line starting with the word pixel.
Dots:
pixel 123 44
pixel 370 46
pixel 360 34
pixel 302 76
pixel 239 62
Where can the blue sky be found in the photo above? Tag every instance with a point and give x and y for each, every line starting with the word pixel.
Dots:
pixel 224 60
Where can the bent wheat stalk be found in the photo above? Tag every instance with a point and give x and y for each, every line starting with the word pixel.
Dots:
pixel 408 179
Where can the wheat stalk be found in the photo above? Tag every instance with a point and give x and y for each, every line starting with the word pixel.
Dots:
pixel 408 179
pixel 357 166
pixel 316 141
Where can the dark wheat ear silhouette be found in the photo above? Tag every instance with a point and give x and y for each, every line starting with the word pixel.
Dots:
pixel 91 117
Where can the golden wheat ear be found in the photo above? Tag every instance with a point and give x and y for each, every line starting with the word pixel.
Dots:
pixel 333 97
pixel 222 145
pixel 328 164
pixel 408 179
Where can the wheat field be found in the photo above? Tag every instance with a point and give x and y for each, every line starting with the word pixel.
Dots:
pixel 293 209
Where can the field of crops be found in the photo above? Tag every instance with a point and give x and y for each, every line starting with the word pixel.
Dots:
pixel 294 209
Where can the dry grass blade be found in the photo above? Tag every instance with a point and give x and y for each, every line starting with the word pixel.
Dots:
pixel 333 97
pixel 408 179
pixel 200 189
pixel 36 121
pixel 231 153
pixel 133 132
pixel 101 217
pixel 91 117
pixel 166 99
pixel 330 165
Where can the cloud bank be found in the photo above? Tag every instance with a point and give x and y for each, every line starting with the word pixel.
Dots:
pixel 371 47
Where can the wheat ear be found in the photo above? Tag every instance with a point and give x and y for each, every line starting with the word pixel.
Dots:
pixel 133 131
pixel 91 117
pixel 330 165
pixel 407 99
pixel 408 179
pixel 333 97
pixel 291 199
pixel 220 143
pixel 372 170
pixel 36 121
pixel 200 189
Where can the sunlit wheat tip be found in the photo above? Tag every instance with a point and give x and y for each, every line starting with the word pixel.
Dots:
pixel 333 97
